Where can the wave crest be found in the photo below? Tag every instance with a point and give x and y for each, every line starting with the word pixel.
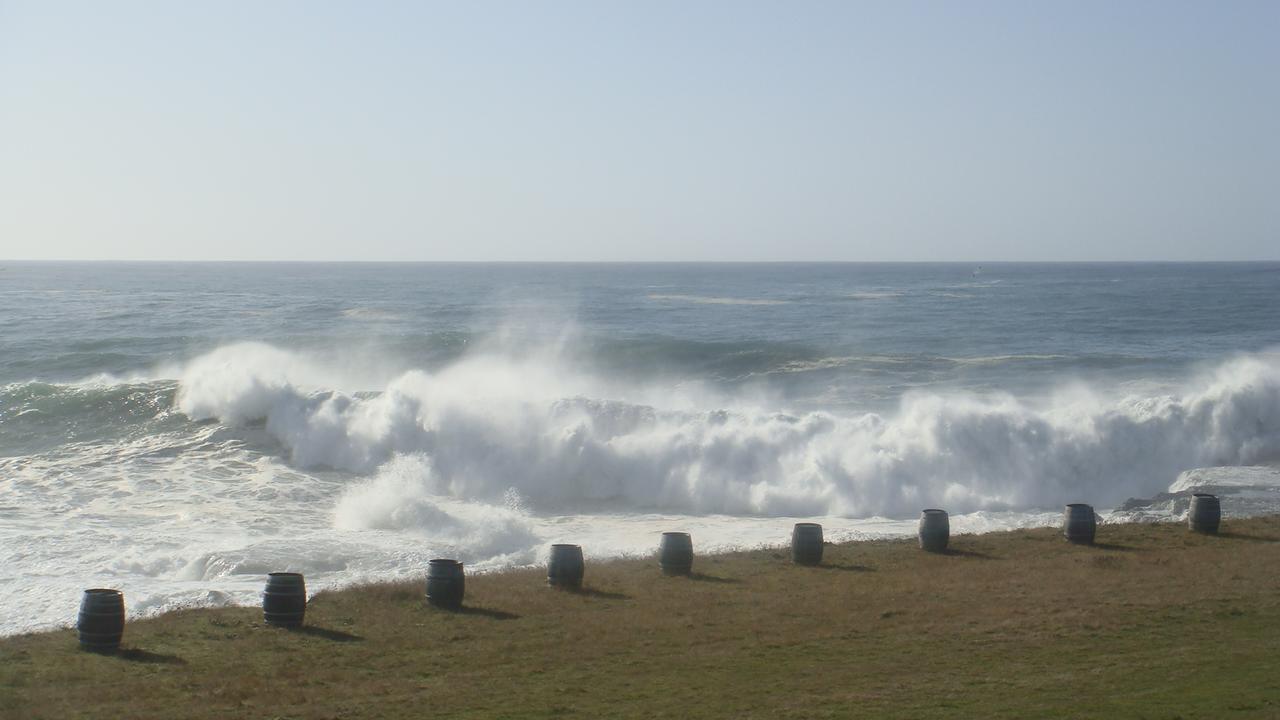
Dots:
pixel 488 425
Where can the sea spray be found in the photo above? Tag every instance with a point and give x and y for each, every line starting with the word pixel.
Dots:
pixel 402 497
pixel 351 422
pixel 489 424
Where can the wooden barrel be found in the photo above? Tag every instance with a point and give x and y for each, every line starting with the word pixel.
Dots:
pixel 1079 524
pixel 1205 514
pixel 446 583
pixel 675 554
pixel 101 621
pixel 565 568
pixel 935 530
pixel 806 544
pixel 284 602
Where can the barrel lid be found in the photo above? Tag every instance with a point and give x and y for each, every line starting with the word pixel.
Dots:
pixel 808 525
pixel 102 591
pixel 565 545
pixel 443 561
pixel 676 534
pixel 1204 495
pixel 933 511
pixel 1079 505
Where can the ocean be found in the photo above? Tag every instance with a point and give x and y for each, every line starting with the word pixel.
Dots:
pixel 179 430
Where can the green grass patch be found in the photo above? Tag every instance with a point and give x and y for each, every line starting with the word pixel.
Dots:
pixel 1153 623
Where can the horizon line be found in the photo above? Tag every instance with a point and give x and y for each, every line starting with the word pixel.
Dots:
pixel 141 261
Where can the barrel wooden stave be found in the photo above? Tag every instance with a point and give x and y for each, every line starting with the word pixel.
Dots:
pixel 934 530
pixel 675 554
pixel 806 544
pixel 284 601
pixel 1079 523
pixel 100 624
pixel 1205 515
pixel 565 567
pixel 446 583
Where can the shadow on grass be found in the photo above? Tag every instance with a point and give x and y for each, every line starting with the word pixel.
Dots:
pixel 600 594
pixel 847 568
pixel 957 552
pixel 485 612
pixel 1116 547
pixel 1246 536
pixel 703 577
pixel 326 633
pixel 142 656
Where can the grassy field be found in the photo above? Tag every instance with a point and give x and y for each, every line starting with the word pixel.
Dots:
pixel 1154 622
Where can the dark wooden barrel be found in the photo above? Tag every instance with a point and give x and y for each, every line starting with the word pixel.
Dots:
pixel 675 554
pixel 565 568
pixel 806 544
pixel 935 529
pixel 1079 524
pixel 1205 514
pixel 446 583
pixel 101 621
pixel 284 602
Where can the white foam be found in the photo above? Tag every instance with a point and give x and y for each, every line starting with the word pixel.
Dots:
pixel 999 359
pixel 371 314
pixel 875 294
pixel 1227 477
pixel 403 497
pixel 802 366
pixel 490 424
pixel 494 458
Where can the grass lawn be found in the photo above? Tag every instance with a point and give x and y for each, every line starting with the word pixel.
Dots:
pixel 1154 622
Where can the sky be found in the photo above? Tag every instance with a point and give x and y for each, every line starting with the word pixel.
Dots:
pixel 642 131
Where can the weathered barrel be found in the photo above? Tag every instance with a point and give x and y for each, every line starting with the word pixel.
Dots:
pixel 446 583
pixel 806 544
pixel 935 529
pixel 675 554
pixel 1205 514
pixel 101 620
pixel 284 601
pixel 565 568
pixel 1079 524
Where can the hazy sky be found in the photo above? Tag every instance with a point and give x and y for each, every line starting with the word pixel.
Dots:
pixel 640 131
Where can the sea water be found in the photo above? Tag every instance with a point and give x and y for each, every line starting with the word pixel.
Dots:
pixel 179 430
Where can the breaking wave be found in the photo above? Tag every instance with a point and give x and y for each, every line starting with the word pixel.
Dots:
pixel 489 425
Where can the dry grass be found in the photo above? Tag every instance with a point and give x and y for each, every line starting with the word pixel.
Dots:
pixel 1155 623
